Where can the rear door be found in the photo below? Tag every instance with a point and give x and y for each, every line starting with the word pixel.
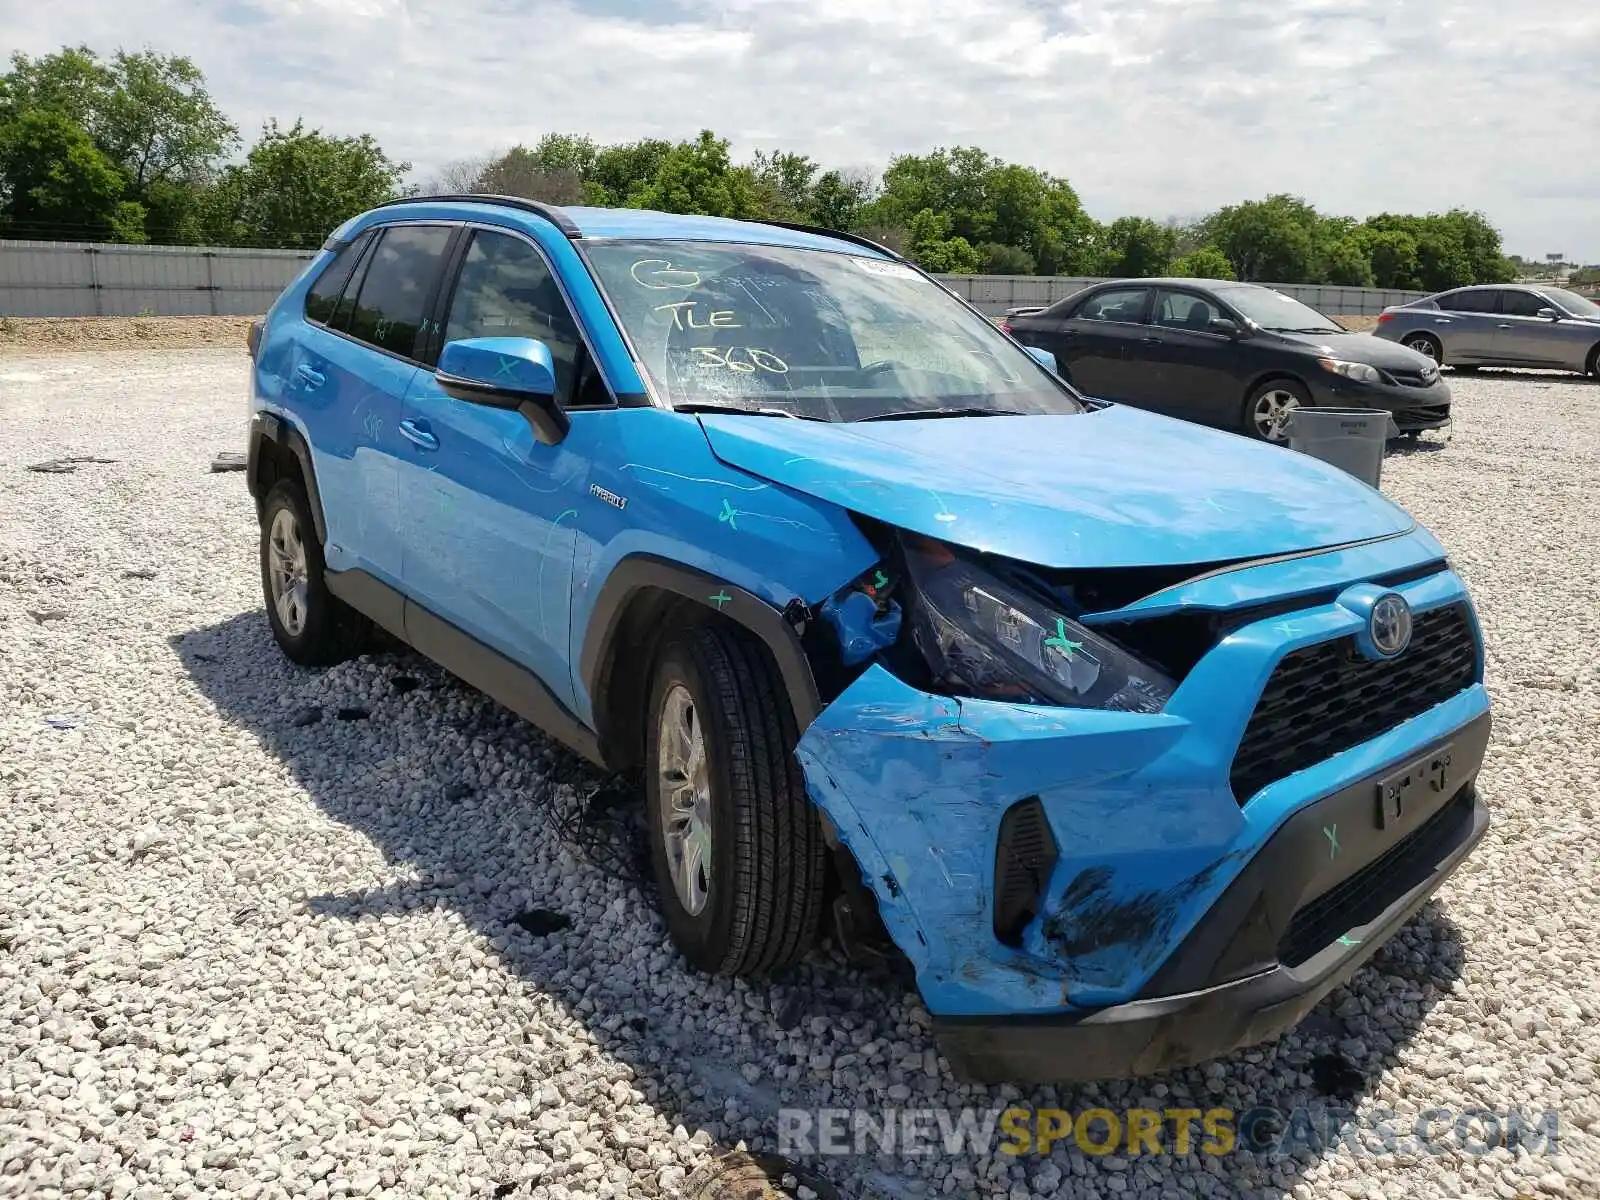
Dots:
pixel 356 363
pixel 1466 324
pixel 1096 343
pixel 1197 368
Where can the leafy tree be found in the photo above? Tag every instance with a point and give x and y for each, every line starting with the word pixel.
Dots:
pixel 784 182
pixel 71 81
pixel 621 170
pixel 1272 240
pixel 1137 247
pixel 1207 262
pixel 157 121
pixel 837 200
pixel 520 172
pixel 1346 262
pixel 296 185
pixel 1393 255
pixel 57 183
pixel 931 246
pixel 698 177
pixel 1005 260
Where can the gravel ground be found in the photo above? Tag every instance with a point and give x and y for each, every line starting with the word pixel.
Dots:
pixel 257 923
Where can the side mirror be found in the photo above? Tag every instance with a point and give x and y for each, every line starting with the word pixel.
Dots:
pixel 1226 326
pixel 1549 314
pixel 1044 358
pixel 512 373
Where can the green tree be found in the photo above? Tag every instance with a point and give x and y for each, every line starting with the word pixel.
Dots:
pixel 1006 260
pixel 619 171
pixel 932 247
pixel 1207 262
pixel 1346 262
pixel 1271 241
pixel 71 81
pixel 784 183
pixel 1137 247
pixel 1393 255
pixel 837 200
pixel 57 183
pixel 699 177
pixel 522 172
pixel 296 185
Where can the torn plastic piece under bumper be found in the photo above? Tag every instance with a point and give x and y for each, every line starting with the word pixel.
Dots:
pixel 1151 841
pixel 1163 1033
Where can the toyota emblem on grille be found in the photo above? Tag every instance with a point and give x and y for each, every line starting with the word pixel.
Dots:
pixel 1390 625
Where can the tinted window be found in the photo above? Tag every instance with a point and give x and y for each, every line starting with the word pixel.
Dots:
pixel 505 289
pixel 1116 304
pixel 1183 310
pixel 394 294
pixel 1575 304
pixel 1478 300
pixel 1522 304
pixel 324 294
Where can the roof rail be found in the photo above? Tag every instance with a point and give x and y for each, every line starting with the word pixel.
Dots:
pixel 549 212
pixel 824 231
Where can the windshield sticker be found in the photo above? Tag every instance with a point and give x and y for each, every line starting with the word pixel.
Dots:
pixel 879 266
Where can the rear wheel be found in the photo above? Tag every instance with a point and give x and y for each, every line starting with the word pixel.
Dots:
pixel 1427 344
pixel 312 626
pixel 738 851
pixel 1594 361
pixel 1268 407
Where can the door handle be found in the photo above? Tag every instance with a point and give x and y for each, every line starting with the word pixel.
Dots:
pixel 1441 320
pixel 415 431
pixel 1153 341
pixel 310 375
pixel 1505 326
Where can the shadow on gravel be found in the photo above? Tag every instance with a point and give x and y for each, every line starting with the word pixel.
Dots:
pixel 445 740
pixel 1405 447
pixel 1519 375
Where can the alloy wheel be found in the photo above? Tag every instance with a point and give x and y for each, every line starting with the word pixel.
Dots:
pixel 287 572
pixel 1272 409
pixel 1423 345
pixel 685 799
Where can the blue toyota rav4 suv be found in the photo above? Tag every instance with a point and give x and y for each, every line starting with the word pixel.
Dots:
pixel 1135 738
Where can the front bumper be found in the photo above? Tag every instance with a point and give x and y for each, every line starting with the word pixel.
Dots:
pixel 1414 408
pixel 1164 1032
pixel 1140 915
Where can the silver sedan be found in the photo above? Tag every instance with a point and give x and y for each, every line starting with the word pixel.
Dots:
pixel 1510 325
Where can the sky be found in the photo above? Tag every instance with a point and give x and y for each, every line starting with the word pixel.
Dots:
pixel 1163 108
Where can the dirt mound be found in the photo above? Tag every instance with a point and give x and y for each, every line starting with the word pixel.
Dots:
pixel 34 334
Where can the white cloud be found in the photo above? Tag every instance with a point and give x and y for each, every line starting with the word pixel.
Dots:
pixel 1159 107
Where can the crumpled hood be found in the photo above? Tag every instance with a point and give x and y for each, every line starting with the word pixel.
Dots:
pixel 1116 487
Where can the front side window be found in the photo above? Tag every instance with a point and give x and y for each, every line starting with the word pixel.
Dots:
pixel 399 281
pixel 1115 304
pixel 1184 310
pixel 1522 304
pixel 505 289
pixel 1475 300
pixel 818 334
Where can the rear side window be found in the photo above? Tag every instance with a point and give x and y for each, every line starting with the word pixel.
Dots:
pixel 1116 304
pixel 1474 300
pixel 1185 310
pixel 324 295
pixel 399 282
pixel 505 289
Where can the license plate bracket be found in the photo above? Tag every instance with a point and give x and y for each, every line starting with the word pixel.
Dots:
pixel 1401 792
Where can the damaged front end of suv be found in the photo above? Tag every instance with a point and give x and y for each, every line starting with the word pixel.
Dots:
pixel 1126 819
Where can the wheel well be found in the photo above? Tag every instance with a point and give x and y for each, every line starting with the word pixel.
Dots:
pixel 274 462
pixel 1272 377
pixel 622 693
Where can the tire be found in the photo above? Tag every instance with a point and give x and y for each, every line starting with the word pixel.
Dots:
pixel 1594 361
pixel 1279 396
pixel 757 906
pixel 311 625
pixel 1425 343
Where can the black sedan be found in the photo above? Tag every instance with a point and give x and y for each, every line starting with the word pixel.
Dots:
pixel 1236 355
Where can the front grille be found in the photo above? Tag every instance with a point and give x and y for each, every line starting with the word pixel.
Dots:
pixel 1326 698
pixel 1415 378
pixel 1354 901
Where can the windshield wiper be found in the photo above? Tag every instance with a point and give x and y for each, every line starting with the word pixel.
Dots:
pixel 911 414
pixel 700 406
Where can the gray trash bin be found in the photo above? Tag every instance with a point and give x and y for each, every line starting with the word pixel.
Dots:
pixel 1352 439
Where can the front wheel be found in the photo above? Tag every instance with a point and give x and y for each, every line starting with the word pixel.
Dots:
pixel 1267 409
pixel 311 625
pixel 738 851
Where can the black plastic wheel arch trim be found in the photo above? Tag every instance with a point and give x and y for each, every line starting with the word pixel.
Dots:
pixel 468 659
pixel 641 571
pixel 269 427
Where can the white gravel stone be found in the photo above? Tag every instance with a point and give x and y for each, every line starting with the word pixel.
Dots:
pixel 245 956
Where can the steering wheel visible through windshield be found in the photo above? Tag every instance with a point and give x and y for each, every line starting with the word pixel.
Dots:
pixel 811 333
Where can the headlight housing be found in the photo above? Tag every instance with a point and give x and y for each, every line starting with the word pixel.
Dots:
pixel 1360 372
pixel 982 636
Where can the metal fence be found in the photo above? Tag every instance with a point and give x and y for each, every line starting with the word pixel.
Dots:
pixel 77 279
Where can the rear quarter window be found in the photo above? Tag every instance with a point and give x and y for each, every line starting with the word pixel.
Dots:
pixel 324 294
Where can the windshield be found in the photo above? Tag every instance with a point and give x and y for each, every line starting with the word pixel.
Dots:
pixel 1277 312
pixel 1575 304
pixel 811 333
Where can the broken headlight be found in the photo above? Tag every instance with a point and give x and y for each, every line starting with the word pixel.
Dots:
pixel 984 637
